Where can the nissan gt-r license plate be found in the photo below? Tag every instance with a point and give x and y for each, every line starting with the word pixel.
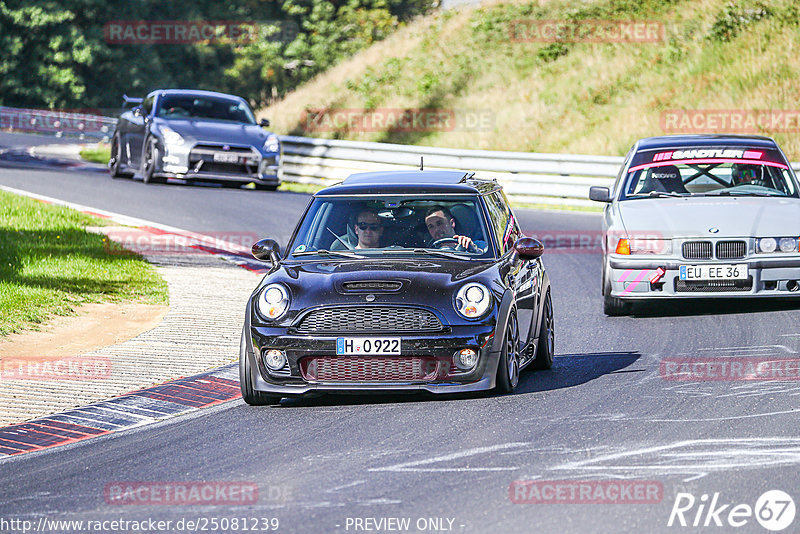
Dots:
pixel 226 158
pixel 368 345
pixel 714 272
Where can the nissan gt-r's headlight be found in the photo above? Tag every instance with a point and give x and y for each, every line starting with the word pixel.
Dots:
pixel 272 144
pixel 273 301
pixel 768 245
pixel 473 300
pixel 171 137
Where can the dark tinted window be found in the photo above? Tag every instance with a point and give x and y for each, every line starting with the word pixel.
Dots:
pixel 505 225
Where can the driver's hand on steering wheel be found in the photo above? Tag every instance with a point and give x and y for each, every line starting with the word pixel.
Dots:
pixel 464 241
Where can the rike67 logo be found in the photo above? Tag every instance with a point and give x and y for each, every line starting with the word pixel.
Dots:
pixel 774 510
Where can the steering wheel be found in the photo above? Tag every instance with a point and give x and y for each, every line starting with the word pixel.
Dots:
pixel 445 242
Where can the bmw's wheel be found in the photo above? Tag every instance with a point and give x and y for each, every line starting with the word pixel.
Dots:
pixel 508 366
pixel 545 349
pixel 151 156
pixel 250 395
pixel 613 306
pixel 115 163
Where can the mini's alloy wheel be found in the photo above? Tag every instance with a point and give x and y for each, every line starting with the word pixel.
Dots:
pixel 508 366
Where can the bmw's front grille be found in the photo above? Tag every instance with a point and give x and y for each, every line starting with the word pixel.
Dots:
pixel 712 286
pixel 731 250
pixel 366 319
pixel 361 369
pixel 697 250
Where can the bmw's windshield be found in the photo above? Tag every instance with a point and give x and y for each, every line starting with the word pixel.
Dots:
pixel 709 172
pixel 204 107
pixel 393 225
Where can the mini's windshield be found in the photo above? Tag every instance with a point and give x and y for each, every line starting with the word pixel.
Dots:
pixel 678 175
pixel 444 226
pixel 203 107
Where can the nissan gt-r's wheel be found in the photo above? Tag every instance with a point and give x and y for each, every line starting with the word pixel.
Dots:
pixel 508 366
pixel 546 346
pixel 150 157
pixel 250 395
pixel 612 306
pixel 115 163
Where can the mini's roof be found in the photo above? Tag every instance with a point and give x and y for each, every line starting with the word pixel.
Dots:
pixel 665 141
pixel 418 182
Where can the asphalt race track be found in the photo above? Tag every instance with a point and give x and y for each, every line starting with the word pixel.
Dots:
pixel 605 412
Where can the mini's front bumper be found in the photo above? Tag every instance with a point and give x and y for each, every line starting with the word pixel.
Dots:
pixel 768 277
pixel 439 348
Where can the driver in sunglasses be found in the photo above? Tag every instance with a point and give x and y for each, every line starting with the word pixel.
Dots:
pixel 369 229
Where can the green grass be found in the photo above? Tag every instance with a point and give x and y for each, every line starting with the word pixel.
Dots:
pixel 49 264
pixel 100 154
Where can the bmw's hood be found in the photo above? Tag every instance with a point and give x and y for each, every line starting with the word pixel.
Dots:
pixel 696 216
pixel 218 131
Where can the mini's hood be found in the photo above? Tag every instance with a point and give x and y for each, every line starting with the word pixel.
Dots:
pixel 217 131
pixel 695 216
pixel 423 279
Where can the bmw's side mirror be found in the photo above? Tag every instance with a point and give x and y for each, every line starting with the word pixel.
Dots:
pixel 267 250
pixel 600 194
pixel 529 248
pixel 264 123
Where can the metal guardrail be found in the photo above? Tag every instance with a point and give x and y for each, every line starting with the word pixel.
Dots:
pixel 58 123
pixel 558 179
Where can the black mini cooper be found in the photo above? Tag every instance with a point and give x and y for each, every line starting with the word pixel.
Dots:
pixel 398 281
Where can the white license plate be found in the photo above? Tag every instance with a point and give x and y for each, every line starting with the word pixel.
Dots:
pixel 226 158
pixel 714 272
pixel 368 345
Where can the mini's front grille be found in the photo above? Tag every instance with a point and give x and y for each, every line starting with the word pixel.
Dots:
pixel 697 250
pixel 361 369
pixel 731 250
pixel 713 286
pixel 372 285
pixel 366 319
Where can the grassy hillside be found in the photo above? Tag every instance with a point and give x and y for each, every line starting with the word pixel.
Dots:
pixel 590 98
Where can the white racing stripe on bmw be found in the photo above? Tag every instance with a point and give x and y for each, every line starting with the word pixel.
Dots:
pixel 129 221
pixel 415 465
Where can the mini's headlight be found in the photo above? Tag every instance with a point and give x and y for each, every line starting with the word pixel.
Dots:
pixel 473 300
pixel 273 301
pixel 272 144
pixel 767 244
pixel 788 244
pixel 171 137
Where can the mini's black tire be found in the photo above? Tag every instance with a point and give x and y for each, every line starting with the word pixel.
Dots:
pixel 508 366
pixel 545 348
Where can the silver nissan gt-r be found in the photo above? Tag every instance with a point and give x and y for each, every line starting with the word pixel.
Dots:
pixel 700 216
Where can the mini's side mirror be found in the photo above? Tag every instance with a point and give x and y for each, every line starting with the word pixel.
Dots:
pixel 267 250
pixel 529 248
pixel 264 123
pixel 600 194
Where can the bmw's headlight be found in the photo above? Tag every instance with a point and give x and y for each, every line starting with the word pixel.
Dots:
pixel 171 137
pixel 272 144
pixel 273 301
pixel 768 245
pixel 473 300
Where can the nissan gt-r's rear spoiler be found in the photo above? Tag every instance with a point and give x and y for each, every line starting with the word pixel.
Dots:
pixel 128 102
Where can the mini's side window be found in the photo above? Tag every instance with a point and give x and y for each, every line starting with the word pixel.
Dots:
pixel 505 225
